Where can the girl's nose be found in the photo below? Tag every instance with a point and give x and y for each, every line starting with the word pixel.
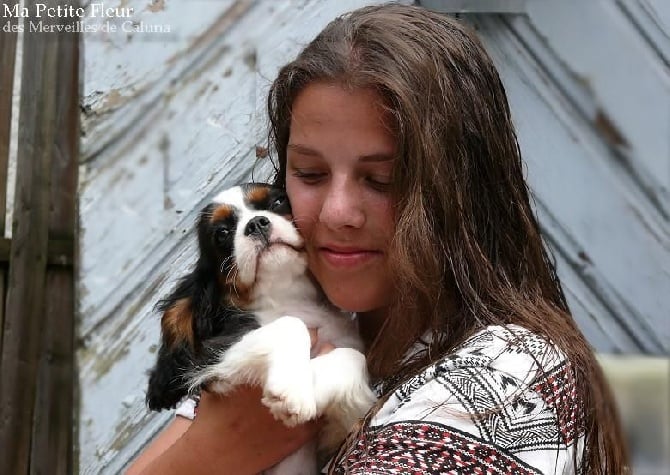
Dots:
pixel 342 206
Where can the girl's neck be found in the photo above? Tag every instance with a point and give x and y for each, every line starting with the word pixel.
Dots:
pixel 370 323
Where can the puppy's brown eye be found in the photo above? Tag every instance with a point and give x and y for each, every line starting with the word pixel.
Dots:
pixel 280 205
pixel 221 235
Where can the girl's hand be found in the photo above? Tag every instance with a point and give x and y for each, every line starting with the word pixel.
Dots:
pixel 234 433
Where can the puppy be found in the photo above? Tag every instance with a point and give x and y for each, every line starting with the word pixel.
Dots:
pixel 242 317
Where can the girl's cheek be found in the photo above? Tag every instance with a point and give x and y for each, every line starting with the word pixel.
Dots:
pixel 304 224
pixel 304 204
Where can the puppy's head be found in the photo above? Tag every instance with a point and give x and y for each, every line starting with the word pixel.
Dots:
pixel 248 234
pixel 247 243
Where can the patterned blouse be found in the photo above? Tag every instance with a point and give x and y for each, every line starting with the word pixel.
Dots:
pixel 503 403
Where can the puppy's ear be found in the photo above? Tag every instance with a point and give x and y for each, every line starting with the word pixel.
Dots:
pixel 167 384
pixel 187 320
pixel 177 324
pixel 189 311
pixel 204 286
pixel 205 304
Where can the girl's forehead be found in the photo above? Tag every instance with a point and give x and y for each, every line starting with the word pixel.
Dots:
pixel 329 107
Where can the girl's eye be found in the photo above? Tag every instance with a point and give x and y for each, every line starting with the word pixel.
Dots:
pixel 309 178
pixel 378 183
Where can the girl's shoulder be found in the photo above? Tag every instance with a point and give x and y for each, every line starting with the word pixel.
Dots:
pixel 503 361
pixel 504 398
pixel 511 355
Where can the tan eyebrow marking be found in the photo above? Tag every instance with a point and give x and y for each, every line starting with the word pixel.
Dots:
pixel 221 212
pixel 257 194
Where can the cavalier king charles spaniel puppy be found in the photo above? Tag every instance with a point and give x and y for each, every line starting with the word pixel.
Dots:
pixel 242 317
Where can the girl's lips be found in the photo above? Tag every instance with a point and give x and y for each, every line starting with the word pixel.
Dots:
pixel 347 257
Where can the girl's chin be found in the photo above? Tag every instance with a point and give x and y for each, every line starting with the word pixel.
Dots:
pixel 354 291
pixel 352 299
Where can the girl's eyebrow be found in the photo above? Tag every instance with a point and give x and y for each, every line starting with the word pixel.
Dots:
pixel 303 149
pixel 373 157
pixel 377 157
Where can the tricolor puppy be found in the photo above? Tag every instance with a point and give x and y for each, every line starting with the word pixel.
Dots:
pixel 242 317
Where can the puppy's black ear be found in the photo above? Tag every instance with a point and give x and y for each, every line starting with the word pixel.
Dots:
pixel 205 304
pixel 187 321
pixel 204 286
pixel 167 381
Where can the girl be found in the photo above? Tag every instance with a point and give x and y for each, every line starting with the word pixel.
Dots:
pixel 394 141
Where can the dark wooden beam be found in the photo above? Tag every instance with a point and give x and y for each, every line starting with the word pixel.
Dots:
pixel 36 364
pixel 7 59
pixel 52 439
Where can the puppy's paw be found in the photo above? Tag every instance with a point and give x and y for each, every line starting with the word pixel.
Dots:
pixel 290 400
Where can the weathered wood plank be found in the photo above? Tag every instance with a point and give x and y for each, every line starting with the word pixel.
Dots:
pixel 652 18
pixel 60 252
pixel 182 93
pixel 151 65
pixel 46 154
pixel 476 6
pixel 3 290
pixel 51 445
pixel 623 82
pixel 52 431
pixel 7 57
pixel 204 89
pixel 20 349
pixel 613 238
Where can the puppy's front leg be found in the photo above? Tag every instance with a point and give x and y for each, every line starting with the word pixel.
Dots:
pixel 342 392
pixel 276 357
pixel 288 391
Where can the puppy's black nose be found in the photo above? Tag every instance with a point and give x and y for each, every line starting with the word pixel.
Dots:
pixel 260 225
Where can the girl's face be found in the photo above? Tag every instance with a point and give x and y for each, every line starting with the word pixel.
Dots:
pixel 338 178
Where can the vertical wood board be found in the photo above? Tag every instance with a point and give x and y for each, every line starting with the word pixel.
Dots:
pixel 25 303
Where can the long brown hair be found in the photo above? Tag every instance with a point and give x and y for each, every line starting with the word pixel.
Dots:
pixel 467 251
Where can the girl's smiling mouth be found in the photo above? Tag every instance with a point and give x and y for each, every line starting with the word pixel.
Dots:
pixel 343 257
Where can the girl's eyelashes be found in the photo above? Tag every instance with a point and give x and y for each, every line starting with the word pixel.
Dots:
pixel 308 177
pixel 377 183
